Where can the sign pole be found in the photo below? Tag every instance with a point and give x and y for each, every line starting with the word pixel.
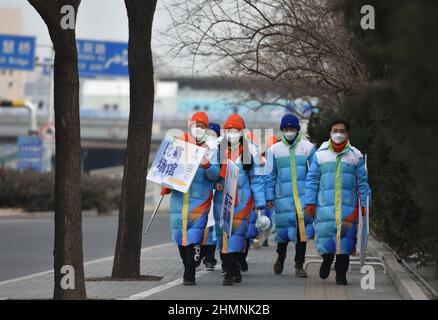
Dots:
pixel 171 169
pixel 154 214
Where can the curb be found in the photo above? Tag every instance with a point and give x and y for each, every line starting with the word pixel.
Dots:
pixel 85 214
pixel 47 215
pixel 406 286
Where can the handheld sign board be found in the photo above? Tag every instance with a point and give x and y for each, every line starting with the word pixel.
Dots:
pixel 175 164
pixel 229 197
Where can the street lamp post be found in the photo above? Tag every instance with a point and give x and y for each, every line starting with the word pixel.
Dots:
pixel 33 130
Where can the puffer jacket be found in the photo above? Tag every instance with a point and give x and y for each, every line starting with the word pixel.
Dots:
pixel 252 231
pixel 287 166
pixel 209 237
pixel 251 188
pixel 189 211
pixel 337 183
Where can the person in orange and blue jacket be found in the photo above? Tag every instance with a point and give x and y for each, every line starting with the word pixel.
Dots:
pixel 337 190
pixel 189 211
pixel 250 188
pixel 253 234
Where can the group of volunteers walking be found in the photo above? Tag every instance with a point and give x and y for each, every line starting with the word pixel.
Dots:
pixel 306 193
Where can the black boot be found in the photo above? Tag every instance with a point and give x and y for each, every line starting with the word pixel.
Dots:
pixel 242 257
pixel 223 266
pixel 209 260
pixel 341 267
pixel 242 263
pixel 279 263
pixel 324 270
pixel 190 266
pixel 227 266
pixel 237 276
pixel 300 255
pixel 299 270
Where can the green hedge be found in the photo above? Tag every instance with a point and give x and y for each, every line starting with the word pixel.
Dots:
pixel 394 119
pixel 34 191
pixel 396 212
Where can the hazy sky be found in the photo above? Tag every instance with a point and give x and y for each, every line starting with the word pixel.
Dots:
pixel 97 19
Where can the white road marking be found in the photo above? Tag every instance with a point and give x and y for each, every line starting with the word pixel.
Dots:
pixel 85 264
pixel 171 284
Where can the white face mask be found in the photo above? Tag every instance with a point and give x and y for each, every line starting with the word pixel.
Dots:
pixel 290 135
pixel 338 138
pixel 211 134
pixel 233 138
pixel 198 133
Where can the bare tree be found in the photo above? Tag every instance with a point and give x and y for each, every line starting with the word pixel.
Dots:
pixel 300 46
pixel 141 76
pixel 68 220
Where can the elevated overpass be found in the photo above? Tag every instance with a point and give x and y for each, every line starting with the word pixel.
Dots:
pixel 111 132
pixel 103 136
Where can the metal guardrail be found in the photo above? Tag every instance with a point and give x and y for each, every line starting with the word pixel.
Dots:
pixel 355 260
pixel 109 128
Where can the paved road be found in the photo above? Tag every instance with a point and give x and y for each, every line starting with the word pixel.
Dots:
pixel 259 283
pixel 26 244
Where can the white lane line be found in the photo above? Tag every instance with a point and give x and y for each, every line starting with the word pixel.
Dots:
pixel 85 264
pixel 171 284
pixel 142 251
pixel 26 277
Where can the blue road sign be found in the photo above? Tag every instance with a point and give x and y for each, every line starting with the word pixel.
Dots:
pixel 17 52
pixel 47 67
pixel 30 151
pixel 102 58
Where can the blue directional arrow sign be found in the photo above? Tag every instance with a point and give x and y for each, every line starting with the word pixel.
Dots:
pixel 17 52
pixel 102 58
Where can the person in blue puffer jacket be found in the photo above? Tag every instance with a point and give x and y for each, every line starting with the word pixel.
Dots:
pixel 252 231
pixel 250 188
pixel 287 163
pixel 262 238
pixel 209 241
pixel 189 211
pixel 251 234
pixel 336 187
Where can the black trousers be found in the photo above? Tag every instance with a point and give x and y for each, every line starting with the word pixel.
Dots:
pixel 190 255
pixel 300 248
pixel 341 265
pixel 243 255
pixel 207 253
pixel 230 262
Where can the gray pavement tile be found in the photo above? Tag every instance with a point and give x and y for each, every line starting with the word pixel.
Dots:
pixel 259 283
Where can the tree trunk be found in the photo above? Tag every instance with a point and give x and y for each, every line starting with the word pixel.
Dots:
pixel 141 76
pixel 68 220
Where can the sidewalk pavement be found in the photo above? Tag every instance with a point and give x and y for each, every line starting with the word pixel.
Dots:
pixel 259 283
